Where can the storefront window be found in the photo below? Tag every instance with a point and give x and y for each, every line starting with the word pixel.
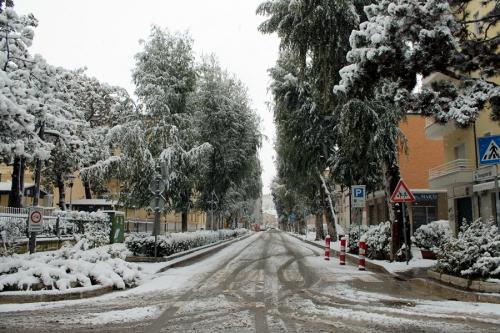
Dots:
pixel 424 209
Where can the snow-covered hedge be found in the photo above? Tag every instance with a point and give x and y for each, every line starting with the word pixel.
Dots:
pixel 353 239
pixel 431 235
pixel 378 241
pixel 475 253
pixel 69 267
pixel 144 244
pixel 93 226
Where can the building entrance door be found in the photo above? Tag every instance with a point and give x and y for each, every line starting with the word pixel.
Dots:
pixel 464 211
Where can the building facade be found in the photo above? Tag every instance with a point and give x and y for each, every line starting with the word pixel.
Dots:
pixel 431 203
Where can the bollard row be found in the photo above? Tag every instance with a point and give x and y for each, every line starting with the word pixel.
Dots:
pixel 362 251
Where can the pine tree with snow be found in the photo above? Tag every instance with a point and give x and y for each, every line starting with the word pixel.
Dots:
pixel 226 121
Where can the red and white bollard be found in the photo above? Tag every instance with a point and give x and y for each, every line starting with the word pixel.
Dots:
pixel 362 253
pixel 327 247
pixel 342 251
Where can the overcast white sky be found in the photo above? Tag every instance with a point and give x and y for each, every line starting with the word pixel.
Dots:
pixel 103 36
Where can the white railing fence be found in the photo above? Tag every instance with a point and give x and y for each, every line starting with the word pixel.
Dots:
pixel 451 167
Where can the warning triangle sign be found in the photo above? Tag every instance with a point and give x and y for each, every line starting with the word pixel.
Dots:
pixel 402 193
pixel 492 152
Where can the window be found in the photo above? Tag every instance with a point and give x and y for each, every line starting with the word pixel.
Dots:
pixel 460 151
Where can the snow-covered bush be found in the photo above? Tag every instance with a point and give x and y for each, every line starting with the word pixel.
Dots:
pixel 11 229
pixel 429 236
pixel 353 239
pixel 475 253
pixel 144 244
pixel 93 226
pixel 378 241
pixel 69 267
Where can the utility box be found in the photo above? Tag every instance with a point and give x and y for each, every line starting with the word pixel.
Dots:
pixel 117 219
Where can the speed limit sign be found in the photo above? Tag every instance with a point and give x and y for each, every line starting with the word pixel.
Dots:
pixel 35 220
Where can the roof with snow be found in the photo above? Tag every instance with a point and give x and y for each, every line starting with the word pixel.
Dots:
pixel 94 202
pixel 5 187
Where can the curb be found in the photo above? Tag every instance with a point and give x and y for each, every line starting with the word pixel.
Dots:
pixel 455 294
pixel 49 297
pixel 194 256
pixel 473 285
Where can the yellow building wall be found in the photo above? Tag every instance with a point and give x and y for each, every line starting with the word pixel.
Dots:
pixel 484 125
pixel 78 192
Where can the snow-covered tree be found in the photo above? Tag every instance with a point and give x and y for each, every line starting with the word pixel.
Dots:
pixel 103 106
pixel 403 39
pixel 165 78
pixel 226 121
pixel 314 40
pixel 17 128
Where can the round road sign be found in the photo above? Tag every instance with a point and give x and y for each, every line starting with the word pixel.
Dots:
pixel 36 217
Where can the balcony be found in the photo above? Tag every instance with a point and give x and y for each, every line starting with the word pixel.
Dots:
pixel 436 131
pixel 452 173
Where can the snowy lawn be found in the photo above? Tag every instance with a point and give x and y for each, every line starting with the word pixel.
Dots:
pixel 69 267
pixel 415 262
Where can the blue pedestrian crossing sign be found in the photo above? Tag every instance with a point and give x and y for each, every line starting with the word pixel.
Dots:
pixel 489 149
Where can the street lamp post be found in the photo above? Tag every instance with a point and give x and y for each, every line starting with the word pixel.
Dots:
pixel 70 179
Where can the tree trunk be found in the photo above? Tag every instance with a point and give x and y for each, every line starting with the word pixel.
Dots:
pixel 15 189
pixel 328 212
pixel 207 220
pixel 38 169
pixel 62 191
pixel 184 219
pixel 319 227
pixel 391 178
pixel 88 191
pixel 21 180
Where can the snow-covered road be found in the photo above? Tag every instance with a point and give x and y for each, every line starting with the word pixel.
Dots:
pixel 269 282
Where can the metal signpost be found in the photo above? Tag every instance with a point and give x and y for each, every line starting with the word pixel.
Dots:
pixel 213 202
pixel 157 186
pixel 35 225
pixel 489 154
pixel 402 194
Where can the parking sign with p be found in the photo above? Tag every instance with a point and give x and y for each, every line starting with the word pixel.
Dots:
pixel 358 196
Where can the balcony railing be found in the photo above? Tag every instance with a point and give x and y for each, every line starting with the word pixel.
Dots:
pixel 458 165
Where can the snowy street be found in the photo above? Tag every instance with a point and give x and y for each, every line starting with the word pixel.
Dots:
pixel 269 282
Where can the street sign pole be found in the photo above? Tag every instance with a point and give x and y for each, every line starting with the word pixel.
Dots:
pixel 497 198
pixel 402 195
pixel 404 232
pixel 489 154
pixel 157 203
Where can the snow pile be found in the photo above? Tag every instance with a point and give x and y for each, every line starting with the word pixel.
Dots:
pixel 69 267
pixel 378 238
pixel 475 253
pixel 432 235
pixel 353 239
pixel 168 244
